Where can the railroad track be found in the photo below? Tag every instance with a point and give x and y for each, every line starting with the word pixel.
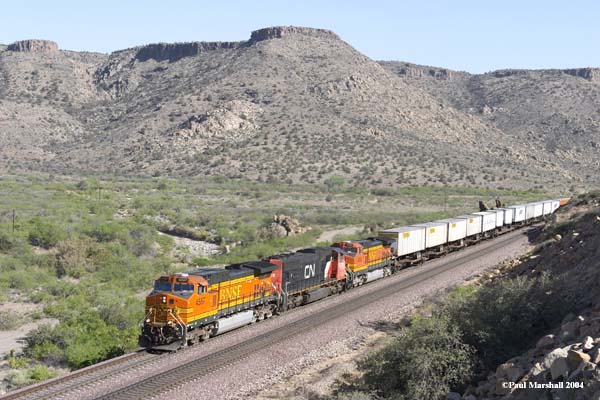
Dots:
pixel 192 370
pixel 62 385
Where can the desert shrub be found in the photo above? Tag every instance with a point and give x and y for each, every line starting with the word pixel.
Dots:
pixel 106 231
pixel 17 362
pixel 9 320
pixel 40 373
pixel 44 233
pixel 71 257
pixel 426 361
pixel 7 241
pixel 17 379
pixel 504 319
pixel 334 182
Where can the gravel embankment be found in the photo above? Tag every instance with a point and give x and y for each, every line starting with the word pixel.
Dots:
pixel 258 372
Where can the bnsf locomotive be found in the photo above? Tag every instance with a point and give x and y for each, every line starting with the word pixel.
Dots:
pixel 188 307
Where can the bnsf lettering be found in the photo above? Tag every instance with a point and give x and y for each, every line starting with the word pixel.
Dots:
pixel 309 271
pixel 231 293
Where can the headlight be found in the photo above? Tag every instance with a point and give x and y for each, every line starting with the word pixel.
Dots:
pixel 164 299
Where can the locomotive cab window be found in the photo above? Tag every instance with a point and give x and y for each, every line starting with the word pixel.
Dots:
pixel 162 286
pixel 184 287
pixel 201 289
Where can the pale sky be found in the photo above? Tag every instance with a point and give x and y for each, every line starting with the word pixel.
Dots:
pixel 474 36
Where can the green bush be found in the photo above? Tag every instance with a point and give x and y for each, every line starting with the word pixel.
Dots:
pixel 40 373
pixel 15 362
pixel 44 233
pixel 7 241
pixel 504 319
pixel 426 361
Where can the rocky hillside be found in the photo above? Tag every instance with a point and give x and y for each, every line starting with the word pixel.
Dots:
pixel 288 104
pixel 554 114
pixel 570 252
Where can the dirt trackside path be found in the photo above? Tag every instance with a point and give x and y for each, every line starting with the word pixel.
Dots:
pixel 328 236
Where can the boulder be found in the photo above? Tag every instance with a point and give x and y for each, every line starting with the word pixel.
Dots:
pixel 575 358
pixel 588 343
pixel 500 389
pixel 595 354
pixel 545 341
pixel 553 355
pixel 453 396
pixel 536 369
pixel 514 373
pixel 509 372
pixel 560 367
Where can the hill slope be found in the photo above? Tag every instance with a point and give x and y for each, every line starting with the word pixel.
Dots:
pixel 289 104
pixel 554 113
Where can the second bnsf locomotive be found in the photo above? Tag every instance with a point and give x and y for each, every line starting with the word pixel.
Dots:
pixel 189 307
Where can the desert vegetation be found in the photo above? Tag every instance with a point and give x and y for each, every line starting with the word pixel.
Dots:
pixel 82 253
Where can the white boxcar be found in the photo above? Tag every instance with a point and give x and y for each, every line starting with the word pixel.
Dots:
pixel 509 215
pixel 518 213
pixel 499 217
pixel 457 228
pixel 538 209
pixel 488 222
pixel 436 233
pixel 529 211
pixel 409 239
pixel 473 223
pixel 547 210
pixel 555 205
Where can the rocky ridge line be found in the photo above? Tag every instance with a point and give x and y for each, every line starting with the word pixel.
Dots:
pixel 33 46
pixel 176 51
pixel 277 32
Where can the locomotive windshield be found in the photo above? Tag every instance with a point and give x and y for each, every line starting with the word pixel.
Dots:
pixel 184 287
pixel 162 286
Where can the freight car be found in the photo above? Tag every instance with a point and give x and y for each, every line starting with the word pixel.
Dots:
pixel 189 307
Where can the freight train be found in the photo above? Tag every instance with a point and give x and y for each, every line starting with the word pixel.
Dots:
pixel 189 307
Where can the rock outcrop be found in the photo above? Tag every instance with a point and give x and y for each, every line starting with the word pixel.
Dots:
pixel 33 46
pixel 282 225
pixel 591 74
pixel 277 32
pixel 414 71
pixel 176 51
pixel 551 364
pixel 234 120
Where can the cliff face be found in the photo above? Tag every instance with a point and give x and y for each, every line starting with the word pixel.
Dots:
pixel 33 46
pixel 420 71
pixel 176 51
pixel 277 32
pixel 591 74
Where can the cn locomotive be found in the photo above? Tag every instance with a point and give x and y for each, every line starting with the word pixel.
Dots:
pixel 189 307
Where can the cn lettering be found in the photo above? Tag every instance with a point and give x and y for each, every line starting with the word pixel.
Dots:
pixel 309 271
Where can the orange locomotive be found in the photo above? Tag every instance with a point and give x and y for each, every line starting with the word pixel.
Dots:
pixel 186 307
pixel 367 259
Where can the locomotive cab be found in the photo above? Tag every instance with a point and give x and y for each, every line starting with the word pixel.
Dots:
pixel 169 307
